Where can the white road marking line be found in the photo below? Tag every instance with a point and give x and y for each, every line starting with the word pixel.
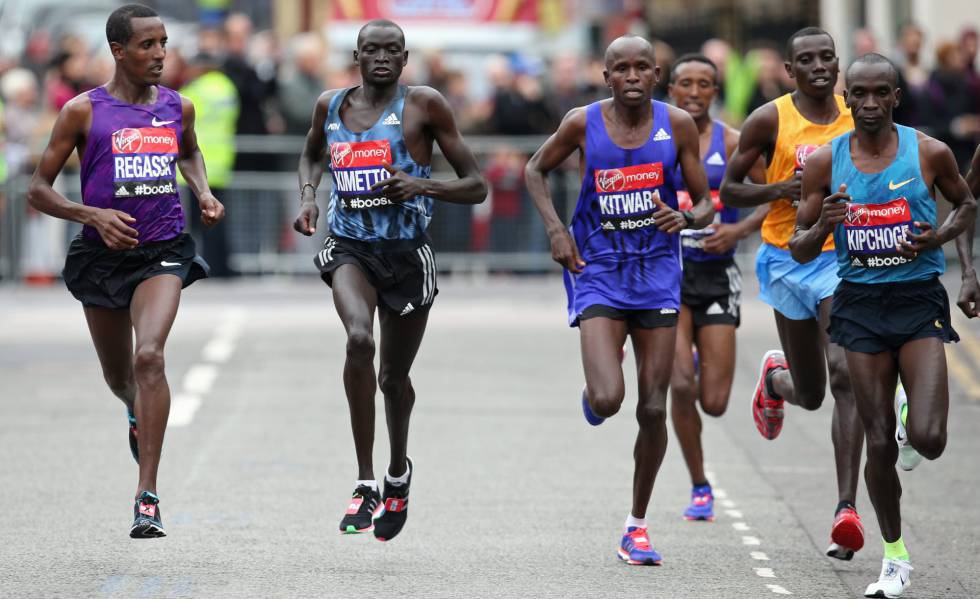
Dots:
pixel 741 526
pixel 218 350
pixel 200 378
pixel 747 540
pixel 182 409
pixel 728 503
pixel 759 555
pixel 719 493
pixel 734 513
pixel 765 572
pixel 775 588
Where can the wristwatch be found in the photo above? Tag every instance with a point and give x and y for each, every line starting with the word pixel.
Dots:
pixel 688 218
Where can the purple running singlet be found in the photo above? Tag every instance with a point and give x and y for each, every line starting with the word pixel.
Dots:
pixel 130 160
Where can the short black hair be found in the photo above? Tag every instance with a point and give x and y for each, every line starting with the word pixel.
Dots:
pixel 692 57
pixel 873 58
pixel 119 27
pixel 805 32
pixel 384 23
pixel 623 38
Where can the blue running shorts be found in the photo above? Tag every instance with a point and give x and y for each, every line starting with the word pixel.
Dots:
pixel 795 290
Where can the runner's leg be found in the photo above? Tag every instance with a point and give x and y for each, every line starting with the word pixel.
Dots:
pixel 602 342
pixel 152 310
pixel 112 334
pixel 654 350
pixel 803 385
pixel 716 348
pixel 683 396
pixel 923 366
pixel 355 300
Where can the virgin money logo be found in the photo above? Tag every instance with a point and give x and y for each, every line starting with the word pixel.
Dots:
pixel 342 155
pixel 610 180
pixel 857 215
pixel 127 141
pixel 802 153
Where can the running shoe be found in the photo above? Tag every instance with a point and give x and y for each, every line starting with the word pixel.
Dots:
pixel 847 535
pixel 892 581
pixel 146 520
pixel 766 410
pixel 635 548
pixel 360 513
pixel 908 457
pixel 394 508
pixel 591 416
pixel 702 504
pixel 133 437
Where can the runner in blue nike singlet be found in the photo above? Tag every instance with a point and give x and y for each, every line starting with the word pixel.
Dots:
pixel 890 312
pixel 621 253
pixel 376 140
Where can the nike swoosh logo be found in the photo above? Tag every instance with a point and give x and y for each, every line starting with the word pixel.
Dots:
pixel 165 263
pixel 894 186
pixel 157 123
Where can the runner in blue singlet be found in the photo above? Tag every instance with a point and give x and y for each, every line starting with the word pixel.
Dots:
pixel 622 251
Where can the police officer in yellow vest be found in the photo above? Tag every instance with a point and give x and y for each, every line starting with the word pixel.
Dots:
pixel 216 105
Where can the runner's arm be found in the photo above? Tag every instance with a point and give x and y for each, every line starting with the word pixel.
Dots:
pixel 569 138
pixel 310 169
pixel 692 170
pixel 949 182
pixel 757 136
pixel 819 211
pixel 191 165
pixel 69 130
pixel 470 187
pixel 964 241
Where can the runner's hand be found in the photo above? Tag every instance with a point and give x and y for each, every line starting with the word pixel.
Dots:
pixel 212 211
pixel 399 187
pixel 916 243
pixel 834 209
pixel 305 223
pixel 667 219
pixel 792 189
pixel 969 300
pixel 565 252
pixel 724 238
pixel 113 227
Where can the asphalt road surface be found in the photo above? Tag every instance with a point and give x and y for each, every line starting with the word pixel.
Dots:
pixel 514 495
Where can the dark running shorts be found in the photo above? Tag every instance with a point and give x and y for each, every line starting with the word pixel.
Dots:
pixel 635 319
pixel 712 290
pixel 872 319
pixel 402 271
pixel 106 278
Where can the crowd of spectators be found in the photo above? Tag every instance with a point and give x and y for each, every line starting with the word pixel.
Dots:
pixel 275 83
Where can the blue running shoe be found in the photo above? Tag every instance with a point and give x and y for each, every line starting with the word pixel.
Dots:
pixel 635 548
pixel 146 521
pixel 702 504
pixel 590 416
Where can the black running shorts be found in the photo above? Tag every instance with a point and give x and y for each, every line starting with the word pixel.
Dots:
pixel 106 278
pixel 872 319
pixel 635 319
pixel 712 290
pixel 402 271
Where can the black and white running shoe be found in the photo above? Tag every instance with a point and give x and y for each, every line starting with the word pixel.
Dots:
pixel 394 509
pixel 146 521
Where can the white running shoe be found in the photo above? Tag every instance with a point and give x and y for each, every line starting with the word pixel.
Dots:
pixel 908 457
pixel 892 581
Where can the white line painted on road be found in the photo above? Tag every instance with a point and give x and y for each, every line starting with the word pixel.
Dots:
pixel 719 493
pixel 200 377
pixel 775 588
pixel 727 503
pixel 747 540
pixel 734 513
pixel 741 526
pixel 759 555
pixel 765 572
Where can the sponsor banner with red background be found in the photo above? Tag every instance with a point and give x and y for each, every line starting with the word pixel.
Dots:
pixel 629 178
pixel 145 140
pixel 358 154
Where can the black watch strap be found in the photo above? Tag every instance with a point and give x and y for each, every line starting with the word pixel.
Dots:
pixel 688 217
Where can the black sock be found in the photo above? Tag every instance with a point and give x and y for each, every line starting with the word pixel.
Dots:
pixel 842 505
pixel 702 483
pixel 769 388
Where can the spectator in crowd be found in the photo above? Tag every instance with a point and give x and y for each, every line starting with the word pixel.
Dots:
pixel 302 82
pixel 864 41
pixel 66 78
pixel 908 57
pixel 253 93
pixel 22 120
pixel 968 51
pixel 957 124
pixel 505 175
pixel 771 79
pixel 565 86
pixel 517 105
pixel 216 107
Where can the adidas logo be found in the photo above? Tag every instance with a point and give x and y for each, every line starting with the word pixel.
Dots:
pixel 855 262
pixel 122 191
pixel 408 307
pixel 608 226
pixel 714 308
pixel 333 127
pixel 715 160
pixel 661 135
pixel 391 119
pixel 667 310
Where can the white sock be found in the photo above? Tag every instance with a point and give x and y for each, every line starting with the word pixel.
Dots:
pixel 632 522
pixel 369 483
pixel 399 480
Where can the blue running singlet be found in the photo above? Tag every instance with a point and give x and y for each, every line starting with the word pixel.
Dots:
pixel 883 207
pixel 630 264
pixel 355 162
pixel 714 163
